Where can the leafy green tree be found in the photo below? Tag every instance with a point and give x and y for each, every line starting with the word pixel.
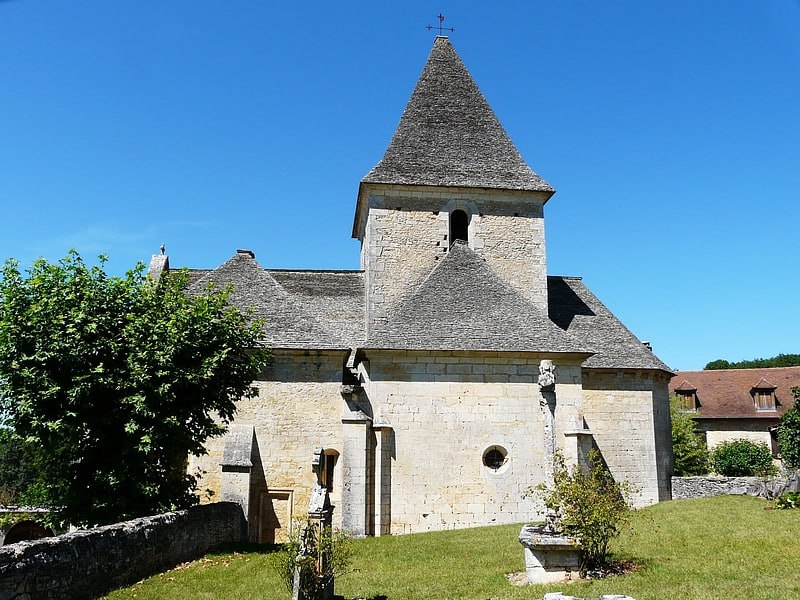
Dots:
pixel 118 380
pixel 688 445
pixel 717 365
pixel 742 458
pixel 18 471
pixel 781 360
pixel 789 433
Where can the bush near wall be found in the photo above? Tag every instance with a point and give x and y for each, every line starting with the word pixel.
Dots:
pixel 91 562
pixel 743 458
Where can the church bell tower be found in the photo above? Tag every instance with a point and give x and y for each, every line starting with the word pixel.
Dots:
pixel 451 173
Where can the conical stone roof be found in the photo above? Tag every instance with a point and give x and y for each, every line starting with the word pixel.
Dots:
pixel 449 135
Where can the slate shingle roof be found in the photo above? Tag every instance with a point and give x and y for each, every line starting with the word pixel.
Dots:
pixel 288 323
pixel 726 393
pixel 465 305
pixel 334 298
pixel 449 135
pixel 576 310
pixel 462 305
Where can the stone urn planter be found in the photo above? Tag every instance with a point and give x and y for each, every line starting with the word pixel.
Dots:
pixel 550 556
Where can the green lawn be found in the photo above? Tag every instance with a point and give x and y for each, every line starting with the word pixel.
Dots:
pixel 724 547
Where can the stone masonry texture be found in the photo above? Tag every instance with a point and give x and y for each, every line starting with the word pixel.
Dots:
pixel 89 563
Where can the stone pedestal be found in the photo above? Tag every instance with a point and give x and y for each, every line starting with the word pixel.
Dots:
pixel 550 557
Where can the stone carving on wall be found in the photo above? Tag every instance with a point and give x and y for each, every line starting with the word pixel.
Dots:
pixel 547 376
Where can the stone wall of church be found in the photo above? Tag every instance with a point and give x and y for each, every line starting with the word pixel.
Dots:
pixel 445 410
pixel 298 409
pixel 628 414
pixel 406 233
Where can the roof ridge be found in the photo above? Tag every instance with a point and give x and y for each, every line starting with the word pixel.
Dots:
pixel 270 270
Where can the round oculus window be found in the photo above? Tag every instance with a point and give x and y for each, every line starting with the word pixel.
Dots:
pixel 495 457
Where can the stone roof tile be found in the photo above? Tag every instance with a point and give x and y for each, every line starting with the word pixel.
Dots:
pixel 449 135
pixel 465 305
pixel 287 324
pixel 577 311
pixel 334 298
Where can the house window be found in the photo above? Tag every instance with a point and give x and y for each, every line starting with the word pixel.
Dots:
pixel 765 400
pixel 688 399
pixel 459 226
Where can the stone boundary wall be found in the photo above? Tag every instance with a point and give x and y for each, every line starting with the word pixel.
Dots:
pixel 703 487
pixel 89 563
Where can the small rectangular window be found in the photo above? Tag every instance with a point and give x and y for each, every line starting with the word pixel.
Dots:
pixel 688 400
pixel 765 400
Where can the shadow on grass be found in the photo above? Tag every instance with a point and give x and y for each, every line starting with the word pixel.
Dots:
pixel 246 548
pixel 253 548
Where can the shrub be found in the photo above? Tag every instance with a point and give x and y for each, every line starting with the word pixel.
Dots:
pixel 789 433
pixel 788 500
pixel 742 458
pixel 321 553
pixel 592 505
pixel 688 446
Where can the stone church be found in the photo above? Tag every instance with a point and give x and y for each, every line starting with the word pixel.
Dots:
pixel 440 377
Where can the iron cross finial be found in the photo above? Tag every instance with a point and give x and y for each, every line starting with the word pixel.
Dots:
pixel 440 27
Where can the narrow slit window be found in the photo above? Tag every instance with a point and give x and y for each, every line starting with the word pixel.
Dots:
pixel 459 226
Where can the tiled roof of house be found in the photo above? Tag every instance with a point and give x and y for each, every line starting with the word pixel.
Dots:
pixel 576 310
pixel 449 135
pixel 685 386
pixel 727 393
pixel 465 305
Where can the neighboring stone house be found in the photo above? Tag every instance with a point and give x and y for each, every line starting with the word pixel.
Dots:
pixel 730 404
pixel 419 374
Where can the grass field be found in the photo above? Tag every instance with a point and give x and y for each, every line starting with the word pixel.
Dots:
pixel 724 547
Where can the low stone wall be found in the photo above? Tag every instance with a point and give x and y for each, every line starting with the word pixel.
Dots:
pixel 88 563
pixel 703 487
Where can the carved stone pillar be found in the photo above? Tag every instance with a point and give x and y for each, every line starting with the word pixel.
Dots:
pixel 547 388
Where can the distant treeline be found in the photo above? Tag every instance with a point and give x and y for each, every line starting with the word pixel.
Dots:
pixel 782 360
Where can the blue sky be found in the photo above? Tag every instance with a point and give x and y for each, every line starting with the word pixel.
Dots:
pixel 670 131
